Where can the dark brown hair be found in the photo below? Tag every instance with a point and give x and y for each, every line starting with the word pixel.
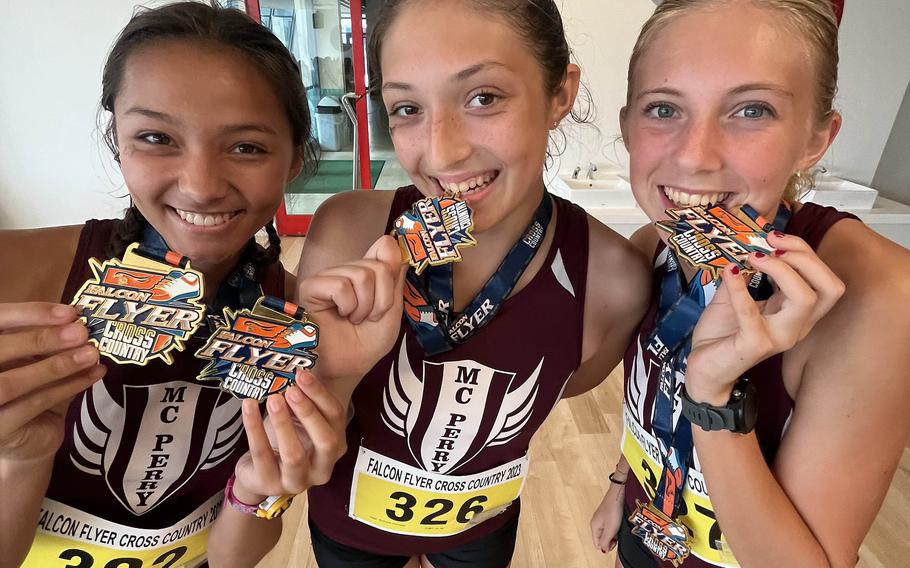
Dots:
pixel 196 21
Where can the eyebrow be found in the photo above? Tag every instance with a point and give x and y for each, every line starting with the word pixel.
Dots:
pixel 153 114
pixel 229 129
pixel 460 76
pixel 761 87
pixel 748 88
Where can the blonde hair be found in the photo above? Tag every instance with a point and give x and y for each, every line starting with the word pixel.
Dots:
pixel 813 20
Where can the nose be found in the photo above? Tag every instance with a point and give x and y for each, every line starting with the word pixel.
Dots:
pixel 700 146
pixel 200 178
pixel 448 145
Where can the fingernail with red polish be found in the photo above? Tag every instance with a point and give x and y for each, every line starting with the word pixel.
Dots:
pixel 735 271
pixel 760 255
pixel 780 253
pixel 778 234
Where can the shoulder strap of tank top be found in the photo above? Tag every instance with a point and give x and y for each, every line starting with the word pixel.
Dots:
pixel 93 241
pixel 571 242
pixel 811 222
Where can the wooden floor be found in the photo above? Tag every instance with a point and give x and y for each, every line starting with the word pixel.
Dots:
pixel 571 457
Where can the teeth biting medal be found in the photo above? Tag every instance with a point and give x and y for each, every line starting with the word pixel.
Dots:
pixel 433 230
pixel 711 237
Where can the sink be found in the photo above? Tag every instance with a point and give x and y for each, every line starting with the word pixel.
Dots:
pixel 841 194
pixel 606 191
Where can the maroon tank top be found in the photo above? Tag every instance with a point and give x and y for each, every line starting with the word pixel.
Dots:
pixel 437 446
pixel 642 371
pixel 147 452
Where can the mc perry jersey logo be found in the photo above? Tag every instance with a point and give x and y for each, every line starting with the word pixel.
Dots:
pixel 455 409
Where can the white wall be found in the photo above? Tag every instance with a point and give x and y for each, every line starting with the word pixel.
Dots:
pixel 53 168
pixel 601 34
pixel 54 171
pixel 874 73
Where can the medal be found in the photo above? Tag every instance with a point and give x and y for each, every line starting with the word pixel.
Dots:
pixel 428 298
pixel 710 238
pixel 256 352
pixel 143 307
pixel 664 538
pixel 433 230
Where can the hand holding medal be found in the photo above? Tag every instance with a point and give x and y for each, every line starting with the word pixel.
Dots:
pixel 45 360
pixel 357 306
pixel 735 332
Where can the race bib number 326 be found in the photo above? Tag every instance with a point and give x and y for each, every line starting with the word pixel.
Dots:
pixel 399 498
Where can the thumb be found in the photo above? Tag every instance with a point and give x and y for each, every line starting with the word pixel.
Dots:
pixel 386 250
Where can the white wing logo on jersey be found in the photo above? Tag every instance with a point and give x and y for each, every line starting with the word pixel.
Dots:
pixel 145 448
pixel 451 413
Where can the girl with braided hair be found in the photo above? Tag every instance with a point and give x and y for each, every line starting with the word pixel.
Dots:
pixel 127 465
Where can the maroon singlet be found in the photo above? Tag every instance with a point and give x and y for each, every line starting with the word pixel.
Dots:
pixel 642 371
pixel 147 452
pixel 436 438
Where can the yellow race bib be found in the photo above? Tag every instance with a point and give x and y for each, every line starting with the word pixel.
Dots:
pixel 399 498
pixel 642 452
pixel 70 538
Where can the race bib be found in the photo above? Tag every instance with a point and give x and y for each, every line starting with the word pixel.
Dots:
pixel 643 454
pixel 70 538
pixel 402 499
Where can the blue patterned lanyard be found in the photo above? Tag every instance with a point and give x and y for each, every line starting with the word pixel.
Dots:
pixel 671 341
pixel 435 286
pixel 240 289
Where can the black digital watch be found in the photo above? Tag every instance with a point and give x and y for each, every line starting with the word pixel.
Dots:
pixel 739 415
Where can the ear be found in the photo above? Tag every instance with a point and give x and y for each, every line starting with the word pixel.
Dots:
pixel 820 140
pixel 564 98
pixel 296 166
pixel 623 127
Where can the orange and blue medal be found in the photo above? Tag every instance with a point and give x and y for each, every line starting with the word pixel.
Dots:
pixel 708 239
pixel 431 234
pixel 256 352
pixel 433 230
pixel 141 307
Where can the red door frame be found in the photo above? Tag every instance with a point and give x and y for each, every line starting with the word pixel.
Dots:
pixel 299 224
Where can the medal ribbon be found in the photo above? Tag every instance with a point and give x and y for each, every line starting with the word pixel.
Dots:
pixel 671 341
pixel 435 286
pixel 238 290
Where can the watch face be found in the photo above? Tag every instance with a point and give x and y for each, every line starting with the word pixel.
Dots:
pixel 749 409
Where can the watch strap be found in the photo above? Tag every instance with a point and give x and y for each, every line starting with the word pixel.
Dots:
pixel 739 414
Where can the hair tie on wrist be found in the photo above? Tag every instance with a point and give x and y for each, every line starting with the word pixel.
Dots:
pixel 616 481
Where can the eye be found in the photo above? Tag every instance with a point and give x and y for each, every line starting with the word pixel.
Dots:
pixel 660 111
pixel 754 111
pixel 155 138
pixel 404 110
pixel 481 100
pixel 248 149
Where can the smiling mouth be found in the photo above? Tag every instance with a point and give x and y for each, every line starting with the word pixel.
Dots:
pixel 206 219
pixel 469 186
pixel 682 198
